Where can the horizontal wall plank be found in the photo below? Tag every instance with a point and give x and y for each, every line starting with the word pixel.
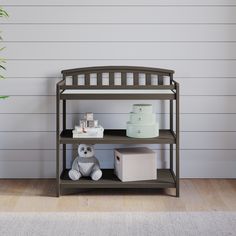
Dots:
pixel 120 2
pixel 104 156
pixel 47 140
pixel 208 122
pixel 46 104
pixel 116 50
pixel 121 14
pixel 28 104
pixel 189 104
pixel 189 86
pixel 27 140
pixel 207 164
pixel 183 68
pixel 46 122
pixel 28 155
pixel 194 164
pixel 29 122
pixel 27 169
pixel 205 104
pixel 147 33
pixel 208 140
pixel 207 86
pixel 33 86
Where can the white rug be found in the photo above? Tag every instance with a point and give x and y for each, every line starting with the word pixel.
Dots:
pixel 128 224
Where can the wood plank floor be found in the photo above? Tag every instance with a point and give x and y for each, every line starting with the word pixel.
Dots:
pixel 196 195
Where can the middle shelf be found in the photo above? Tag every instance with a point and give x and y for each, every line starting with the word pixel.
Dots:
pixel 118 136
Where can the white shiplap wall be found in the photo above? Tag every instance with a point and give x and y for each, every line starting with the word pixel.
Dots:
pixel 195 38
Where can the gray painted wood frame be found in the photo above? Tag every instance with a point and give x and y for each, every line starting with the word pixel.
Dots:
pixel 166 178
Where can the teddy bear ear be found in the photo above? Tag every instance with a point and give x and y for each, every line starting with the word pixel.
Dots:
pixel 80 145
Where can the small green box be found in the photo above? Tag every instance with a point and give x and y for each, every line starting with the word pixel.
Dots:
pixel 142 108
pixel 142 131
pixel 142 118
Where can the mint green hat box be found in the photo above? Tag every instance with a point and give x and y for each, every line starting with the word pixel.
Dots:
pixel 142 131
pixel 142 118
pixel 142 108
pixel 142 122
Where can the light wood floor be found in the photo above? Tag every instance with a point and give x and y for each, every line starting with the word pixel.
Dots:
pixel 196 195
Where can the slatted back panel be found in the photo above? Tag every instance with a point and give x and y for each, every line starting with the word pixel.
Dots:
pixel 118 77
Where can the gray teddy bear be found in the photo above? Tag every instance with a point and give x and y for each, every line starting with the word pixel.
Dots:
pixel 85 164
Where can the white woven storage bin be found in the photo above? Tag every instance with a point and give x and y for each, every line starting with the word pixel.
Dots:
pixel 133 164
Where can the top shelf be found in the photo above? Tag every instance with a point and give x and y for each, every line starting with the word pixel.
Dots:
pixel 71 92
pixel 117 83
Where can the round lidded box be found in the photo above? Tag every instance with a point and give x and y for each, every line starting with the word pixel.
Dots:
pixel 142 122
pixel 142 118
pixel 142 108
pixel 142 131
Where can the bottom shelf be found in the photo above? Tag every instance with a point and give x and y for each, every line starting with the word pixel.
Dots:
pixel 165 179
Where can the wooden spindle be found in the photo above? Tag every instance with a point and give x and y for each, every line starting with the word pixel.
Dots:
pixel 160 79
pixel 87 79
pixel 123 79
pixel 148 79
pixel 99 79
pixel 136 79
pixel 111 79
pixel 171 78
pixel 75 79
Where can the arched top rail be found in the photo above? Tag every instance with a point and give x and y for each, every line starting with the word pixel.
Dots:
pixel 117 77
pixel 128 69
